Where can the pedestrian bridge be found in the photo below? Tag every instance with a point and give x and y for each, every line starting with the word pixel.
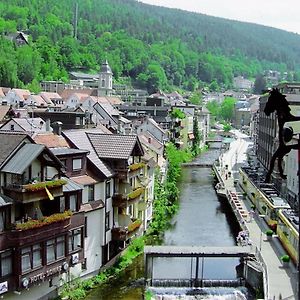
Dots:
pixel 193 264
pixel 200 165
pixel 197 251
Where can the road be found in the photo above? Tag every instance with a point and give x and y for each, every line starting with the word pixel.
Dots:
pixel 236 155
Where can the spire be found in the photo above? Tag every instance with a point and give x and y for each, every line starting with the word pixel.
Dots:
pixel 105 68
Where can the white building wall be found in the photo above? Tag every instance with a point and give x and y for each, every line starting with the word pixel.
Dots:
pixel 291 170
pixel 94 240
pixel 11 98
pixel 8 126
pixel 72 101
pixel 148 126
pixel 36 169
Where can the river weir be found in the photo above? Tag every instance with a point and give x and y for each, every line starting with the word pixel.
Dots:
pixel 202 220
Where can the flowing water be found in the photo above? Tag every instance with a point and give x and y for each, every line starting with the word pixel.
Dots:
pixel 202 220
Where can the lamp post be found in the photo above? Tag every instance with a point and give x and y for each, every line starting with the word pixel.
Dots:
pixel 261 224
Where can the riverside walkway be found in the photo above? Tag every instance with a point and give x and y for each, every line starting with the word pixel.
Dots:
pixel 279 282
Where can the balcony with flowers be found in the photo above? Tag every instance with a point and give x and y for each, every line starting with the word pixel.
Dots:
pixel 35 191
pixel 123 233
pixel 124 200
pixel 34 230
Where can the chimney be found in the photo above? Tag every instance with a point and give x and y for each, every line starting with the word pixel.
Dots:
pixel 149 140
pixel 48 125
pixel 57 127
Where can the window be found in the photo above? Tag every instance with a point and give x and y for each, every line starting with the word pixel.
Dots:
pixel 31 257
pixel 85 227
pixel 77 164
pixel 12 127
pixel 4 219
pixel 62 204
pixel 5 263
pixel 91 193
pixel 107 189
pixel 75 240
pixel 73 202
pixel 103 83
pixel 55 249
pixel 107 223
pixel 78 121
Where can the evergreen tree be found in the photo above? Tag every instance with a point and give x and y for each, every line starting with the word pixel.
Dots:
pixel 196 140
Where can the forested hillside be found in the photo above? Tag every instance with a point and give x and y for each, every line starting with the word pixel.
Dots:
pixel 156 47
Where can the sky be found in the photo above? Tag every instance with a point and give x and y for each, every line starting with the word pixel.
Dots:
pixel 282 14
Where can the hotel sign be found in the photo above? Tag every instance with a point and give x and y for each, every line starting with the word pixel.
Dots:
pixel 44 275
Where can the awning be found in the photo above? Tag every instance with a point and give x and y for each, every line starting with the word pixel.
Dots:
pixel 23 158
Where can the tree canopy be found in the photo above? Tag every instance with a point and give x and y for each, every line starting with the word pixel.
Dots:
pixel 159 48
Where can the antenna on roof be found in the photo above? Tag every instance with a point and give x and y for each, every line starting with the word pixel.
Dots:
pixel 76 20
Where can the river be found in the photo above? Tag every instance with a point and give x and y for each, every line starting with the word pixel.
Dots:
pixel 202 220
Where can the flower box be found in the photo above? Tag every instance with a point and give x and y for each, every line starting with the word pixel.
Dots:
pixel 31 224
pixel 32 187
pixel 136 166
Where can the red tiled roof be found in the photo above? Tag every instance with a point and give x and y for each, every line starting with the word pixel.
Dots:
pixel 51 140
pixel 65 94
pixel 84 180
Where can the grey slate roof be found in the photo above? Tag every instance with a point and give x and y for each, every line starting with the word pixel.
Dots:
pixel 80 140
pixel 71 186
pixel 114 146
pixel 23 158
pixel 9 142
pixel 105 68
pixel 4 200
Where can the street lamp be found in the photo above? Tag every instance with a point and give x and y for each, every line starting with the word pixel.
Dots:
pixel 261 233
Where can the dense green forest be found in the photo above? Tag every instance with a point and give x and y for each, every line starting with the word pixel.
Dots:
pixel 159 48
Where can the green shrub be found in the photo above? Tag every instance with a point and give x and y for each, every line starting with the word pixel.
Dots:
pixel 285 258
pixel 269 232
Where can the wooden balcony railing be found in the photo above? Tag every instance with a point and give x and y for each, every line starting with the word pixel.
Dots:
pixel 34 231
pixel 122 200
pixel 35 191
pixel 125 233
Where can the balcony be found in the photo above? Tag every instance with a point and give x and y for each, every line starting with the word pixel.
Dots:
pixel 136 169
pixel 125 171
pixel 35 191
pixel 34 231
pixel 122 201
pixel 125 233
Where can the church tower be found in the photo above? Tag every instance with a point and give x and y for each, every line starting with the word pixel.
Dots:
pixel 105 80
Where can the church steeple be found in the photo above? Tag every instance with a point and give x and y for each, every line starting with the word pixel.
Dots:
pixel 105 80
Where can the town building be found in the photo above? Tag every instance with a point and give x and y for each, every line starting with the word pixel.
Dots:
pixel 30 126
pixel 39 238
pixel 242 84
pixel 267 137
pixel 105 80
